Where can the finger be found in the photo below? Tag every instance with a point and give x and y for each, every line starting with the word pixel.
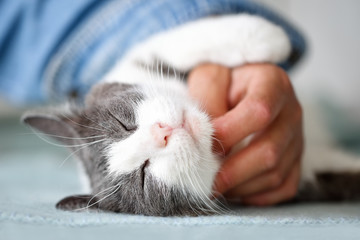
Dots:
pixel 262 155
pixel 253 75
pixel 285 192
pixel 209 84
pixel 254 113
pixel 258 92
pixel 271 179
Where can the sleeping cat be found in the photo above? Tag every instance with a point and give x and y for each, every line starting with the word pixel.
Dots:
pixel 146 145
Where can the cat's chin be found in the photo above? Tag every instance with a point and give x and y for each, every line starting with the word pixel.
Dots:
pixel 183 163
pixel 140 192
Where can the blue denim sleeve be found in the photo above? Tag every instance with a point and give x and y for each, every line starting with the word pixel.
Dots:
pixel 51 49
pixel 30 32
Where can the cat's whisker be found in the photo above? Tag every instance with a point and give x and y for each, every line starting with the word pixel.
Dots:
pixel 186 196
pixel 81 148
pixel 221 145
pixel 199 205
pixel 148 71
pixel 61 137
pixel 183 188
pixel 113 125
pixel 101 126
pixel 102 199
pixel 168 71
pixel 153 73
pixel 211 204
pixel 161 69
pixel 157 67
pixel 62 145
pixel 81 125
pixel 174 72
pixel 215 205
pixel 200 194
pixel 197 202
pixel 88 205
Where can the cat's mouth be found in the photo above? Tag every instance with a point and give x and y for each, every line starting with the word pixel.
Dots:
pixel 143 172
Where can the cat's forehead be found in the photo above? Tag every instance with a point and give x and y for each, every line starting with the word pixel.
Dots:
pixel 113 101
pixel 113 94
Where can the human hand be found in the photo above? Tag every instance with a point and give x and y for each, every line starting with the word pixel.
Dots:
pixel 258 100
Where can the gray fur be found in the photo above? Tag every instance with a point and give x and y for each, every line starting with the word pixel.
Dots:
pixel 79 202
pixel 140 193
pixel 332 186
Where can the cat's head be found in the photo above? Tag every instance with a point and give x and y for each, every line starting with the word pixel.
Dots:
pixel 146 149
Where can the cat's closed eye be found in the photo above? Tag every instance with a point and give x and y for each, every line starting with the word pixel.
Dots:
pixel 126 127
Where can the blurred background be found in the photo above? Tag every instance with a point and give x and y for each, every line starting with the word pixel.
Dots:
pixel 330 72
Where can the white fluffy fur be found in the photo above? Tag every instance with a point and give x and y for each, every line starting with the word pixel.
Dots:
pixel 184 151
pixel 230 41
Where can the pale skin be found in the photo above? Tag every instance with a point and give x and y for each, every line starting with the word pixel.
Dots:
pixel 257 100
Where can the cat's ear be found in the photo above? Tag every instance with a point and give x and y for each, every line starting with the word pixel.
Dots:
pixel 78 203
pixel 59 128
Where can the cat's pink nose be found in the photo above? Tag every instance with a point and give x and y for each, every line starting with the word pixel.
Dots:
pixel 161 133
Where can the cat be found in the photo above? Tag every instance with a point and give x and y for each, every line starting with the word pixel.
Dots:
pixel 146 145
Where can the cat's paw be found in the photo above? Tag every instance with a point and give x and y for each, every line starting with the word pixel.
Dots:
pixel 78 203
pixel 229 40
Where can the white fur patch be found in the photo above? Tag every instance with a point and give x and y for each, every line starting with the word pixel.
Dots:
pixel 186 160
pixel 84 178
pixel 230 40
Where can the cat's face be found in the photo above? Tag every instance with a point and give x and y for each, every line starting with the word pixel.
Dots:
pixel 146 149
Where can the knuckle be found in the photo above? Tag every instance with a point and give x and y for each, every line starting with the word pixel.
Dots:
pixel 262 112
pixel 271 154
pixel 204 77
pixel 279 75
pixel 208 73
pixel 283 76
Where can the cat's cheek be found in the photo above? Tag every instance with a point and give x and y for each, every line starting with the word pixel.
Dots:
pixel 194 171
pixel 199 125
pixel 163 170
pixel 127 155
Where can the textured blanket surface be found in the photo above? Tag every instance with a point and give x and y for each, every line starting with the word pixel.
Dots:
pixel 34 175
